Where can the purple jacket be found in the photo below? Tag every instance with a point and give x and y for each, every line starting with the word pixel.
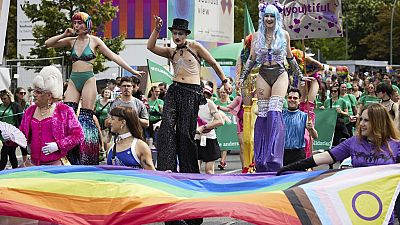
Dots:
pixel 362 153
pixel 66 131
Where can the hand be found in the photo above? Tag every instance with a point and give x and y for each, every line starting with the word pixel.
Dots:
pixel 50 148
pixel 309 125
pixel 228 87
pixel 353 118
pixel 69 32
pixel 322 107
pixel 307 78
pixel 301 165
pixel 158 22
pixel 6 136
pixel 140 73
pixel 200 130
pixel 338 110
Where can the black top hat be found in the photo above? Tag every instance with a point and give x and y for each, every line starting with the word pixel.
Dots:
pixel 180 24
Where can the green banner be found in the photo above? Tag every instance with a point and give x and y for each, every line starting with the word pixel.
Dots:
pixel 227 135
pixel 325 122
pixel 158 73
pixel 226 55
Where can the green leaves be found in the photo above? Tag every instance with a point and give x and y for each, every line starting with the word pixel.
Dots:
pixel 55 16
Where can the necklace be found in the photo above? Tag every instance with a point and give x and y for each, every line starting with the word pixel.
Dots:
pixel 123 136
pixel 268 39
pixel 45 112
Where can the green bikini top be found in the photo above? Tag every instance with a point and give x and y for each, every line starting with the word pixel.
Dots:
pixel 86 56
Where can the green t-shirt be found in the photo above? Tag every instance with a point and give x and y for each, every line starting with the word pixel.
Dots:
pixel 395 88
pixel 352 102
pixel 103 113
pixel 318 102
pixel 367 99
pixel 218 102
pixel 6 114
pixel 154 110
pixel 339 103
pixel 285 104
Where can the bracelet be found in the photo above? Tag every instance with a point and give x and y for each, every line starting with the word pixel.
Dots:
pixel 224 81
pixel 157 29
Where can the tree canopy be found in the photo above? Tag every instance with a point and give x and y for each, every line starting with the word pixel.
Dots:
pixel 367 23
pixel 55 17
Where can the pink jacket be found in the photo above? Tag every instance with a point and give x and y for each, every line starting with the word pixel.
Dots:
pixel 66 130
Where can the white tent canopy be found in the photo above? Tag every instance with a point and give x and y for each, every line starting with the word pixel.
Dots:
pixel 353 64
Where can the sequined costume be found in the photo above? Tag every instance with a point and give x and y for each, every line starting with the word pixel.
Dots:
pixel 248 121
pixel 88 152
pixel 247 94
pixel 90 147
pixel 178 128
pixel 269 130
pixel 65 131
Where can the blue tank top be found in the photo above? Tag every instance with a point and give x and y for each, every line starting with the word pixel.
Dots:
pixel 295 123
pixel 86 56
pixel 127 157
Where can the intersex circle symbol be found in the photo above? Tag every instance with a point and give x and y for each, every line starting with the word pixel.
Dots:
pixel 358 213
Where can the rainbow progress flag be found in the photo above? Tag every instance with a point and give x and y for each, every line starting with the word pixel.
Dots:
pixel 119 195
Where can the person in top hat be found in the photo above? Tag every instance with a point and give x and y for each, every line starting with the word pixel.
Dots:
pixel 182 101
pixel 183 98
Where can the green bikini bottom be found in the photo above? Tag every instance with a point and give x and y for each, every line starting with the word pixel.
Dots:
pixel 80 78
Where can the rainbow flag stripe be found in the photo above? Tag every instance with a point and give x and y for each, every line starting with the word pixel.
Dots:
pixel 119 195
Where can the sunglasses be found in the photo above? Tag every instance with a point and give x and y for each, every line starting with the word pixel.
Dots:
pixel 180 33
pixel 334 91
pixel 292 98
pixel 22 93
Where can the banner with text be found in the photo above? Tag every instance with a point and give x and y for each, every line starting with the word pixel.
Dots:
pixel 214 21
pixel 158 73
pixel 325 122
pixel 227 135
pixel 305 19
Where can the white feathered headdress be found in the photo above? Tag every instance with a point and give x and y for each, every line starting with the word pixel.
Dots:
pixel 50 79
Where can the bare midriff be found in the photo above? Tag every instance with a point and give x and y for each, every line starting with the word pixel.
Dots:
pixel 82 66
